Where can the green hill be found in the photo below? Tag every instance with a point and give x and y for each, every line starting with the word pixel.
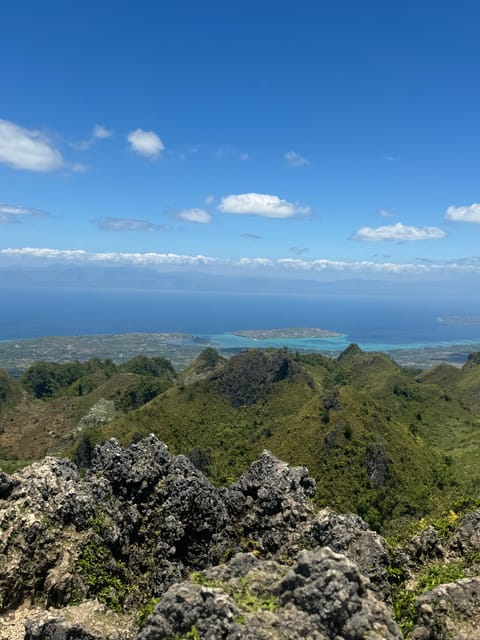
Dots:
pixel 380 440
pixel 375 438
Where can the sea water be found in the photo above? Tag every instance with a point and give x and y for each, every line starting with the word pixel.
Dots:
pixel 374 322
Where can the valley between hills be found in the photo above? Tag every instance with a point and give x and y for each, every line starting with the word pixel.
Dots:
pixel 148 490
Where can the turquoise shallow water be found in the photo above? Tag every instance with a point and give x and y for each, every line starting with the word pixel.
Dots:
pixel 336 344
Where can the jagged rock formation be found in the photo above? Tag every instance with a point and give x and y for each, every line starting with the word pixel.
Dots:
pixel 253 561
pixel 446 612
pixel 322 595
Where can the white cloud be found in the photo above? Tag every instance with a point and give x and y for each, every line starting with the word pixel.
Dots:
pixel 27 149
pixel 49 254
pixel 127 224
pixel 397 233
pixel 145 143
pixel 464 214
pixel 195 215
pixel 461 266
pixel 209 200
pixel 294 159
pixel 101 132
pixel 260 204
pixel 11 213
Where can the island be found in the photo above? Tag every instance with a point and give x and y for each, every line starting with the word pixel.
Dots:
pixel 301 333
pixel 466 321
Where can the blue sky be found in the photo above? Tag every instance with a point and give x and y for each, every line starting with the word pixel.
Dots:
pixel 315 137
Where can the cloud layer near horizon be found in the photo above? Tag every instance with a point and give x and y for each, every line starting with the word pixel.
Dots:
pixel 80 256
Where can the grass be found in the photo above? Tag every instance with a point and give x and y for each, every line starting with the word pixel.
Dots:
pixel 240 592
pixel 431 576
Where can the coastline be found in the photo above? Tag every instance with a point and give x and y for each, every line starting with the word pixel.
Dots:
pixel 181 348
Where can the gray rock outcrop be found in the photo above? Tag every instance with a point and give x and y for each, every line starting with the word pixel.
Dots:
pixel 255 561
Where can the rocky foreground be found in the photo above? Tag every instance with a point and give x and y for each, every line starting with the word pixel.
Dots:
pixel 141 546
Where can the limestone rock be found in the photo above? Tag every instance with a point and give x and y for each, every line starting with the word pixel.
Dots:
pixel 449 612
pixel 322 597
pixel 350 535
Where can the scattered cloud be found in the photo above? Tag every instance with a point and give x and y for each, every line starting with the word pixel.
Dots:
pixel 460 266
pixel 195 215
pixel 100 132
pixel 27 149
pixel 385 213
pixel 209 200
pixel 294 159
pixel 244 156
pixel 390 158
pixel 127 224
pixel 397 233
pixel 251 236
pixel 298 251
pixel 145 143
pixel 464 214
pixel 12 213
pixel 259 204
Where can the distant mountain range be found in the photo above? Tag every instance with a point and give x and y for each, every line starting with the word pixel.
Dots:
pixel 208 279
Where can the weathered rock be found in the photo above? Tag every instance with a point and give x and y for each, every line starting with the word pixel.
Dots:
pixel 449 612
pixel 102 412
pixel 332 591
pixel 376 462
pixel 350 535
pixel 139 521
pixel 269 503
pixel 424 547
pixel 323 597
pixel 466 537
pixel 7 484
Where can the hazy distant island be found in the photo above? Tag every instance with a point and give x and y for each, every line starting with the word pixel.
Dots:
pixel 470 321
pixel 286 334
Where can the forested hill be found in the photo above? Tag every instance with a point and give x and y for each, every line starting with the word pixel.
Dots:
pixel 389 443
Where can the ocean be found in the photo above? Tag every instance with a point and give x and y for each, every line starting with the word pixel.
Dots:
pixel 374 322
